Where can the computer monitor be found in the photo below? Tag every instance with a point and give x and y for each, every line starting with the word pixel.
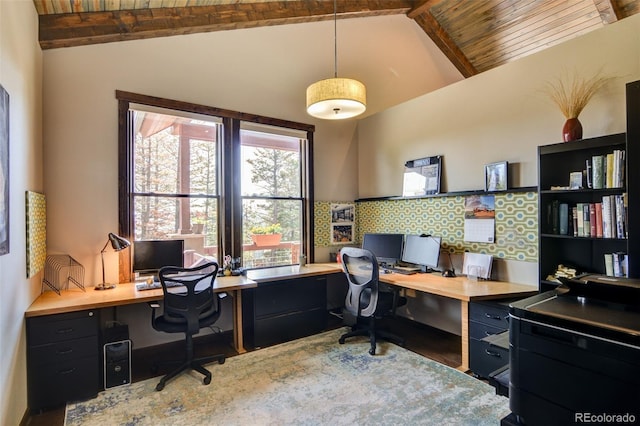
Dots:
pixel 422 250
pixel 151 255
pixel 386 247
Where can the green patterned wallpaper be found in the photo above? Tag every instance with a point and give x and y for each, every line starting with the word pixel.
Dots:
pixel 516 223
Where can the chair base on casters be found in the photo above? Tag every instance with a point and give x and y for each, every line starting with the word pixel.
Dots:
pixel 195 364
pixel 373 334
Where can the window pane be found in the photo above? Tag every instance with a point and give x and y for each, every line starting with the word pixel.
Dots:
pixel 270 164
pixel 262 216
pixel 174 155
pixel 193 219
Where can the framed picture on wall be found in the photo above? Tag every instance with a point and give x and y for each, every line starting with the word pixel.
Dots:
pixel 341 234
pixel 422 176
pixel 343 216
pixel 495 176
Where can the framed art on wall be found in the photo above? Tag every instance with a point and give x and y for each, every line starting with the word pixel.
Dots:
pixel 495 176
pixel 342 223
pixel 422 176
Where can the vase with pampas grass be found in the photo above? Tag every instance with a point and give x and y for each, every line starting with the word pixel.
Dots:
pixel 571 94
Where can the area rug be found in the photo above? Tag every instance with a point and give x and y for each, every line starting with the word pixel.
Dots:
pixel 310 381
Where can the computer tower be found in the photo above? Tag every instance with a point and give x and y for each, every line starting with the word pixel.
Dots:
pixel 117 363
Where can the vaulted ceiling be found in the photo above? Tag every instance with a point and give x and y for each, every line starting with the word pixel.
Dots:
pixel 475 35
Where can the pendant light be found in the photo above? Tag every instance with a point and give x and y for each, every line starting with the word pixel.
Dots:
pixel 336 98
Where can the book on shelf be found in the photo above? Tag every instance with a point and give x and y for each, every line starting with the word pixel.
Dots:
pixel 580 220
pixel 620 217
pixel 592 219
pixel 608 264
pixel 606 217
pixel 586 231
pixel 597 165
pixel 574 219
pixel 609 180
pixel 598 208
pixel 563 211
pixel 589 175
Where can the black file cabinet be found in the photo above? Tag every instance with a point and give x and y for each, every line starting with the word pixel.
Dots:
pixel 63 361
pixel 279 311
pixel 487 318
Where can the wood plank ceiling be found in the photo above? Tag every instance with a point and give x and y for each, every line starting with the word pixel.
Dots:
pixel 475 35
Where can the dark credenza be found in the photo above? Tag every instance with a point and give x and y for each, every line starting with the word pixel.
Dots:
pixel 279 311
pixel 63 362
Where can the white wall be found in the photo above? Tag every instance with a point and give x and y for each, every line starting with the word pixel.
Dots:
pixel 21 77
pixel 498 115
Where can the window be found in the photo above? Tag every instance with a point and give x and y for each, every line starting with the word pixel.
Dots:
pixel 216 179
pixel 272 202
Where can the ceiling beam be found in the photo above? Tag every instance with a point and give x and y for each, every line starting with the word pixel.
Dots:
pixel 441 38
pixel 609 11
pixel 78 29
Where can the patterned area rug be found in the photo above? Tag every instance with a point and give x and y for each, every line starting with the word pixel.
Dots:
pixel 310 381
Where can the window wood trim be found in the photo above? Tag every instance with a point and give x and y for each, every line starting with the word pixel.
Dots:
pixel 230 225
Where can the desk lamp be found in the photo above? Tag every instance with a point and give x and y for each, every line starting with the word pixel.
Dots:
pixel 117 243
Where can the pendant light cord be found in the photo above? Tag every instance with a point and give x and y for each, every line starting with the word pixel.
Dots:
pixel 335 38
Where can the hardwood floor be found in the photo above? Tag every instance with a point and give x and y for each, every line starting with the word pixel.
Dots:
pixel 432 343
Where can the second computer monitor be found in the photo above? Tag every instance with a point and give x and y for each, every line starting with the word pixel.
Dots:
pixel 386 247
pixel 423 250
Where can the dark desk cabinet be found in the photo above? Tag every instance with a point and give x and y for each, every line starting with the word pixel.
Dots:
pixel 487 318
pixel 279 311
pixel 63 362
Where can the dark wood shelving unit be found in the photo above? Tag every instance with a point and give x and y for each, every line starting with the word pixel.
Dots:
pixel 586 254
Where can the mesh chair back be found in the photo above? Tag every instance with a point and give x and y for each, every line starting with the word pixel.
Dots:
pixel 189 295
pixel 361 268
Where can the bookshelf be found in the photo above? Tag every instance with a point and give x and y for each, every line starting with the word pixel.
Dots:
pixel 582 243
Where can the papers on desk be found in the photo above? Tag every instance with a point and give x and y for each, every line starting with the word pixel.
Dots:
pixel 477 265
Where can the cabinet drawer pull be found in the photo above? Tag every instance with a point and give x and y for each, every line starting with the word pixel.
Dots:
pixel 64 330
pixel 69 371
pixel 495 317
pixel 64 351
pixel 492 353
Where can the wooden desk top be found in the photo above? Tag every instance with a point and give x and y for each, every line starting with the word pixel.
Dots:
pixel 460 288
pixel 75 299
pixel 294 271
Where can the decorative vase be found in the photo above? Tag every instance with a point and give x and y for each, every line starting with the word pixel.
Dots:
pixel 572 130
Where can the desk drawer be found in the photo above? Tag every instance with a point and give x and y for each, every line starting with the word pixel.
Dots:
pixel 485 358
pixel 494 314
pixel 282 328
pixel 63 351
pixel 51 385
pixel 478 330
pixel 290 296
pixel 61 327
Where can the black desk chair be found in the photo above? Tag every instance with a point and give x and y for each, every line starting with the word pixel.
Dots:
pixel 364 300
pixel 189 305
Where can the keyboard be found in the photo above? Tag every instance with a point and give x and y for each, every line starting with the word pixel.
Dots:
pixel 403 270
pixel 155 285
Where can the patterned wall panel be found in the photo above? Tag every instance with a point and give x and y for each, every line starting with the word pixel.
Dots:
pixel 36 224
pixel 516 223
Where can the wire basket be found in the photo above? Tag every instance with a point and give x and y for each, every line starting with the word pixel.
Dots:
pixel 60 270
